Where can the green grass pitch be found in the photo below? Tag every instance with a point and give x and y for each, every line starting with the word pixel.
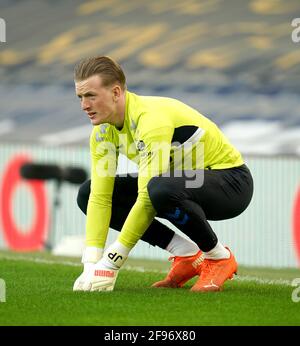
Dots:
pixel 39 293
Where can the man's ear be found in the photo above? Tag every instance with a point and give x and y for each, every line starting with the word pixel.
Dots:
pixel 116 92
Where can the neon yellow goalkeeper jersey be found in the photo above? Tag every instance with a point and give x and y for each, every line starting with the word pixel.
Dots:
pixel 146 138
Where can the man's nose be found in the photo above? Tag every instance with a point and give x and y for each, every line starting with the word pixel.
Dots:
pixel 85 105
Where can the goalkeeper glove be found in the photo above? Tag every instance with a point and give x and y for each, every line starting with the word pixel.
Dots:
pixel 104 274
pixel 91 255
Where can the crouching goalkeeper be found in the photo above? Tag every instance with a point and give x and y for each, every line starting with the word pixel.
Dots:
pixel 189 173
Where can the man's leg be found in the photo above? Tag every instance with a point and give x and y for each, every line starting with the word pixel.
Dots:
pixel 224 194
pixel 124 196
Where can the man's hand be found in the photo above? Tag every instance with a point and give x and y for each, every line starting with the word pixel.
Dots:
pixel 78 284
pixel 91 255
pixel 103 275
pixel 100 278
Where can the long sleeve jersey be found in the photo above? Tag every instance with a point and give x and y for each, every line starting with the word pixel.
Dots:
pixel 147 138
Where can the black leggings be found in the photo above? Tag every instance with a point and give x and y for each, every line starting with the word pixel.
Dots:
pixel 224 194
pixel 123 199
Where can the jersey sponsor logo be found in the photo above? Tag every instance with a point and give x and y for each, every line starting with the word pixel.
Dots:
pixel 99 138
pixel 106 273
pixel 103 128
pixel 146 154
pixel 140 146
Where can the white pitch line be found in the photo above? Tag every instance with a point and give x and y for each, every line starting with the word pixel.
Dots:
pixel 261 281
pixel 73 264
pixel 246 278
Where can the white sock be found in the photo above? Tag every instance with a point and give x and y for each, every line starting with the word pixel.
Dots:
pixel 218 252
pixel 180 246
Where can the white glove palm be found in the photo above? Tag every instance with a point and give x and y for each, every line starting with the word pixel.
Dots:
pixel 78 284
pixel 90 256
pixel 104 273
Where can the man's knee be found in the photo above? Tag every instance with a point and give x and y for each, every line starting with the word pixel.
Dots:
pixel 161 192
pixel 83 195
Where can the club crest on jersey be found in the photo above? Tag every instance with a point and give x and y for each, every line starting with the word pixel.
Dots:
pixel 140 145
pixel 103 128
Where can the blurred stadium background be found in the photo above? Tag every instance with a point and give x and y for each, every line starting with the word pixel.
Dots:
pixel 235 61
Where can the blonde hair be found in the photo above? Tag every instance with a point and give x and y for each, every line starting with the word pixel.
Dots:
pixel 109 70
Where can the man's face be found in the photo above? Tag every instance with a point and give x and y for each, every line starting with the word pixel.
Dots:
pixel 97 101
